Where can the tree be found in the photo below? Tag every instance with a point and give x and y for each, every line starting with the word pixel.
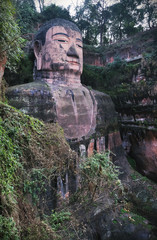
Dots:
pixel 41 4
pixel 117 16
pixel 124 19
pixel 150 12
pixel 26 15
pixel 92 18
pixel 53 11
pixel 99 20
pixel 10 37
pixel 143 11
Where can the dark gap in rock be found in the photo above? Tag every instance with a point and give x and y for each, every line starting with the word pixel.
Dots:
pixel 106 142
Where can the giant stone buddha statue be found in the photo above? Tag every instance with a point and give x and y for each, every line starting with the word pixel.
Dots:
pixel 88 117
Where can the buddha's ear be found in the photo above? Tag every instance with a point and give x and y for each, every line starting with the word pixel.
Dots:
pixel 38 53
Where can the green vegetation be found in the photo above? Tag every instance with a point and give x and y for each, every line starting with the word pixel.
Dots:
pixel 53 11
pixel 100 78
pixel 29 164
pixel 28 18
pixel 8 230
pixel 57 219
pixel 128 216
pixel 27 167
pixel 99 173
pixel 10 37
pixel 118 79
pixel 26 15
pixel 102 23
pixel 33 155
pixel 35 184
pixel 24 72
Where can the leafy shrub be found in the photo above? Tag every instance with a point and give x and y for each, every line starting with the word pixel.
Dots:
pixel 8 230
pixel 57 219
pixel 24 72
pixel 99 172
pixel 35 183
pixel 9 155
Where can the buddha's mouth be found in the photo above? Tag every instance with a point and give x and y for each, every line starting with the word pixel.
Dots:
pixel 73 61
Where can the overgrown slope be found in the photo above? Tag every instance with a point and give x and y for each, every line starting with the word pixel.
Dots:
pixel 32 155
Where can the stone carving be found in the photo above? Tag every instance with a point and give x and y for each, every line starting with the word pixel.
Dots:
pixel 58 51
pixel 59 63
pixel 88 117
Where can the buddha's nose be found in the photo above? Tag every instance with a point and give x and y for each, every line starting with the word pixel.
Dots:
pixel 72 52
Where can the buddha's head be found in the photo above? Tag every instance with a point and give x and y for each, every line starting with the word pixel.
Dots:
pixel 58 51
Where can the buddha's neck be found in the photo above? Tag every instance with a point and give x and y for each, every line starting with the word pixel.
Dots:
pixel 59 78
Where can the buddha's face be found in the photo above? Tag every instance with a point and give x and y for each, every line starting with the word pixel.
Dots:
pixel 62 51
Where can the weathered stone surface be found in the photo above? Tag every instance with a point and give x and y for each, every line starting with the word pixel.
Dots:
pixel 139 133
pixel 58 52
pixel 34 99
pixel 105 226
pixel 92 58
pixel 76 111
pixel 144 151
pixel 80 111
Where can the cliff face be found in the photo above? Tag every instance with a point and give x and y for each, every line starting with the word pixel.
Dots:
pixel 137 114
pixel 130 49
pixel 139 132
pixel 131 82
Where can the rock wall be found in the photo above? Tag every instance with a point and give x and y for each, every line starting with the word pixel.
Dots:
pixel 139 135
pixel 129 49
pixel 135 99
pixel 137 115
pixel 92 58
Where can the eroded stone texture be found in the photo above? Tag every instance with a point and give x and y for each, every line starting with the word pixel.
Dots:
pixel 58 52
pixel 34 99
pixel 75 111
pixel 144 151
pixel 138 130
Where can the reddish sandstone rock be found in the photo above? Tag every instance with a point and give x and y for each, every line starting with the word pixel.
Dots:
pixel 114 140
pixel 90 150
pixel 144 151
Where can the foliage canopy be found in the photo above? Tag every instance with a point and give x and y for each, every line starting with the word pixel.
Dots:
pixel 10 36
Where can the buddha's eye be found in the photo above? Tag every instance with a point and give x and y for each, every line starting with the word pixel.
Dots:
pixel 78 45
pixel 61 40
pixel 60 37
